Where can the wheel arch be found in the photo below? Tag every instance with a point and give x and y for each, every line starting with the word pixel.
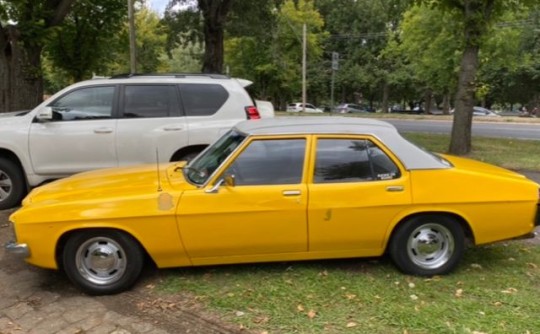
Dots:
pixel 177 156
pixel 61 243
pixel 465 226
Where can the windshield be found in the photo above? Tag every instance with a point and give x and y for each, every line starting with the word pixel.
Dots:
pixel 199 170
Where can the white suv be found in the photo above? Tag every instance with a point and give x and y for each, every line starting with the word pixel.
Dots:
pixel 117 121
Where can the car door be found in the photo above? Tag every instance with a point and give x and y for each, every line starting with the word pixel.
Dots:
pixel 356 190
pixel 264 212
pixel 151 124
pixel 81 135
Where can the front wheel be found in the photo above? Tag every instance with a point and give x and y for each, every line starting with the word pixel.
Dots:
pixel 427 245
pixel 102 262
pixel 12 184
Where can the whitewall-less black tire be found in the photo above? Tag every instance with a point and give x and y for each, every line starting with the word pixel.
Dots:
pixel 12 184
pixel 102 262
pixel 427 245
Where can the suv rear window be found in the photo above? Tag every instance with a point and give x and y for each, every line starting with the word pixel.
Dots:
pixel 202 99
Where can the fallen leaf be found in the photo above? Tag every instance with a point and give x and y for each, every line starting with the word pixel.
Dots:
pixel 300 308
pixel 311 314
pixel 351 324
pixel 476 266
pixel 459 293
pixel 477 332
pixel 532 265
pixel 323 273
pixel 239 313
pixel 497 304
pixel 350 296
pixel 411 285
pixel 510 290
pixel 414 297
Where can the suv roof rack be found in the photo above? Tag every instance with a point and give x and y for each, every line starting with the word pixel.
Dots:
pixel 173 75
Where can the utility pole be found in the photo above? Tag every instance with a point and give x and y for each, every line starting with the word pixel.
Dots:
pixel 304 57
pixel 335 67
pixel 132 45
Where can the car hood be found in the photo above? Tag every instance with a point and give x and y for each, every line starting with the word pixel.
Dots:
pixel 481 167
pixel 13 114
pixel 106 184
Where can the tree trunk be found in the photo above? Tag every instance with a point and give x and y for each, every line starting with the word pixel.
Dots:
pixel 446 104
pixel 476 15
pixel 21 86
pixel 386 94
pixel 460 143
pixel 428 97
pixel 214 14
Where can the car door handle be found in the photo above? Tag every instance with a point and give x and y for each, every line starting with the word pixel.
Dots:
pixel 172 128
pixel 291 192
pixel 394 188
pixel 103 130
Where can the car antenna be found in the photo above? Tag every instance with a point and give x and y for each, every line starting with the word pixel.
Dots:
pixel 158 176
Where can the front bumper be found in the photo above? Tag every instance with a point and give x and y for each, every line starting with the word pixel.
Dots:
pixel 19 250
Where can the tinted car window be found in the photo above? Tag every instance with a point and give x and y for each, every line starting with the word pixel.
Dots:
pixel 83 104
pixel 270 162
pixel 346 160
pixel 150 101
pixel 202 100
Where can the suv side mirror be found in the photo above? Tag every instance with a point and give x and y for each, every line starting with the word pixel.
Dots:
pixel 45 114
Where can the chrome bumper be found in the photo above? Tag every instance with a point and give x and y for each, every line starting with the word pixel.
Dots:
pixel 20 250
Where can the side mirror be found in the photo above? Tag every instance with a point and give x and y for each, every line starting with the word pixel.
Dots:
pixel 45 114
pixel 230 180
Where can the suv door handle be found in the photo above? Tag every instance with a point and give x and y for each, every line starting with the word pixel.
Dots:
pixel 394 188
pixel 103 130
pixel 172 128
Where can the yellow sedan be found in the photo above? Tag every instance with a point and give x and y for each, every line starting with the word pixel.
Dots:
pixel 275 190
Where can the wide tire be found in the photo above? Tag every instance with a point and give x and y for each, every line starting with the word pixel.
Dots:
pixel 12 184
pixel 102 262
pixel 427 245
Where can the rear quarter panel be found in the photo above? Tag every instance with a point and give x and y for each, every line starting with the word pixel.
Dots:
pixel 496 207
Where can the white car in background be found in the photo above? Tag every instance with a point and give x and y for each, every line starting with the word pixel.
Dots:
pixel 299 107
pixel 118 121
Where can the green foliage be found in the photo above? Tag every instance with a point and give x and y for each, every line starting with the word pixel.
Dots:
pixel 84 43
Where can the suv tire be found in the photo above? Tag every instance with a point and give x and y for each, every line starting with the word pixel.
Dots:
pixel 12 184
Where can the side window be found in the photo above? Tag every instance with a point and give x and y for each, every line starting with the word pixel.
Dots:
pixel 150 101
pixel 84 104
pixel 202 99
pixel 279 161
pixel 346 160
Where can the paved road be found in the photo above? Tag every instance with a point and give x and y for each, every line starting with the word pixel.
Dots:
pixel 484 129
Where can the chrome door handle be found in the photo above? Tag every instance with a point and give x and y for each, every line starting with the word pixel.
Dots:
pixel 103 130
pixel 291 192
pixel 394 188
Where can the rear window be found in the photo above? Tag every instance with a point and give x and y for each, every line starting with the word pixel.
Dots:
pixel 202 99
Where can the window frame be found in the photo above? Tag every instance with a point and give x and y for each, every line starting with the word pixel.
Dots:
pixel 173 112
pixel 114 106
pixel 220 173
pixel 373 139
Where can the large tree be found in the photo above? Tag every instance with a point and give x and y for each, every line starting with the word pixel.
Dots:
pixel 214 16
pixel 25 27
pixel 477 17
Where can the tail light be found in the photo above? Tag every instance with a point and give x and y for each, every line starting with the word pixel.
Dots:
pixel 252 112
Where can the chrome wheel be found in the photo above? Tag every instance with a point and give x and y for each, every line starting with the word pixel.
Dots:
pixel 5 185
pixel 430 246
pixel 101 260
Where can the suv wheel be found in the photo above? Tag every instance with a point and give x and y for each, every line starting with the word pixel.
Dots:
pixel 12 185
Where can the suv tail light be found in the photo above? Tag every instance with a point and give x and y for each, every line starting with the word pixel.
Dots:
pixel 252 112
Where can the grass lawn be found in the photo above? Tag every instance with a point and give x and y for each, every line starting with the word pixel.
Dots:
pixel 496 288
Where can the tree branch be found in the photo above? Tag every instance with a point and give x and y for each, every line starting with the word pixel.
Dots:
pixel 59 9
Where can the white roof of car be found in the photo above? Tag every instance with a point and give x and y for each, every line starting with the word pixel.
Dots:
pixel 410 155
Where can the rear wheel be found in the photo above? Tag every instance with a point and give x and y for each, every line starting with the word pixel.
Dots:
pixel 102 262
pixel 12 184
pixel 427 245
